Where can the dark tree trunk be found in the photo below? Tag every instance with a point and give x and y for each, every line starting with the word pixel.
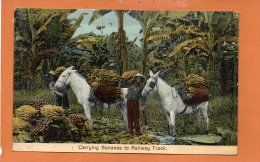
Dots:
pixel 122 43
pixel 45 70
pixel 144 55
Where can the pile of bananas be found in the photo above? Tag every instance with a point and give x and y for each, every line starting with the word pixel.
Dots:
pixel 47 124
pixel 196 81
pixel 52 112
pixel 103 76
pixel 37 104
pixel 26 112
pixel 55 129
pixel 19 125
pixel 128 76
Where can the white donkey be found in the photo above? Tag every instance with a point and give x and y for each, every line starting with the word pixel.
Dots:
pixel 172 102
pixel 82 91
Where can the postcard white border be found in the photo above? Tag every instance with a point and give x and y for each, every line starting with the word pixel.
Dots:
pixel 147 149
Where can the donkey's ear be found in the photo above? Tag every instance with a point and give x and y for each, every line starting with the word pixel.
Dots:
pixel 150 73
pixel 70 68
pixel 156 74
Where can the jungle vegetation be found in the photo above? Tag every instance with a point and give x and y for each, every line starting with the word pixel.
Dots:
pixel 177 43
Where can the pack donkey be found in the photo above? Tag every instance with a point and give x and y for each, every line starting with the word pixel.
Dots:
pixel 82 91
pixel 172 102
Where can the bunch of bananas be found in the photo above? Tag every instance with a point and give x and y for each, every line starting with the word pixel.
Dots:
pixel 77 118
pixel 47 129
pixel 19 125
pixel 55 129
pixel 25 112
pixel 59 70
pixel 103 76
pixel 190 92
pixel 37 104
pixel 196 81
pixel 52 112
pixel 41 126
pixel 128 76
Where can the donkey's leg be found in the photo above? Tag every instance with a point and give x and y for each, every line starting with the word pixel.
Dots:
pixel 86 107
pixel 204 109
pixel 144 119
pixel 197 115
pixel 169 122
pixel 100 106
pixel 172 123
pixel 123 110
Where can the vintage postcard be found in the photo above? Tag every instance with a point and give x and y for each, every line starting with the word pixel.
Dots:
pixel 125 81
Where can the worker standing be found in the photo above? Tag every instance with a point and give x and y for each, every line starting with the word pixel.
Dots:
pixel 62 101
pixel 133 95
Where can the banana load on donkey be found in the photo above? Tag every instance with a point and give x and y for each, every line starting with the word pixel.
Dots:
pixel 107 84
pixel 103 85
pixel 105 89
pixel 192 97
pixel 193 90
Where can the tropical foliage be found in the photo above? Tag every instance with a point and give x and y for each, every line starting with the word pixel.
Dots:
pixel 182 45
pixel 38 32
pixel 179 43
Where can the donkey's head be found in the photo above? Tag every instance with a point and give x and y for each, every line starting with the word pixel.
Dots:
pixel 64 80
pixel 151 83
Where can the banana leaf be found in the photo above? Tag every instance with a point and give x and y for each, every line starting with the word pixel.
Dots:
pixel 209 139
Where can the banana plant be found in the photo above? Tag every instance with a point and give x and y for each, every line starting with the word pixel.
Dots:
pixel 220 28
pixel 148 20
pixel 121 34
pixel 207 42
pixel 38 32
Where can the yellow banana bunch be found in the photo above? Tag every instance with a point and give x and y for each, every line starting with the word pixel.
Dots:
pixel 103 76
pixel 19 124
pixel 189 92
pixel 128 76
pixel 194 80
pixel 25 112
pixel 52 112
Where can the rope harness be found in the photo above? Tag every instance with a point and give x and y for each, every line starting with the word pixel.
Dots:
pixel 63 85
pixel 194 107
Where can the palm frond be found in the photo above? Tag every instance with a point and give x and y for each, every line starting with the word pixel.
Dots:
pixel 197 46
pixel 68 34
pixel 164 34
pixel 186 45
pixel 44 26
pixel 188 30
